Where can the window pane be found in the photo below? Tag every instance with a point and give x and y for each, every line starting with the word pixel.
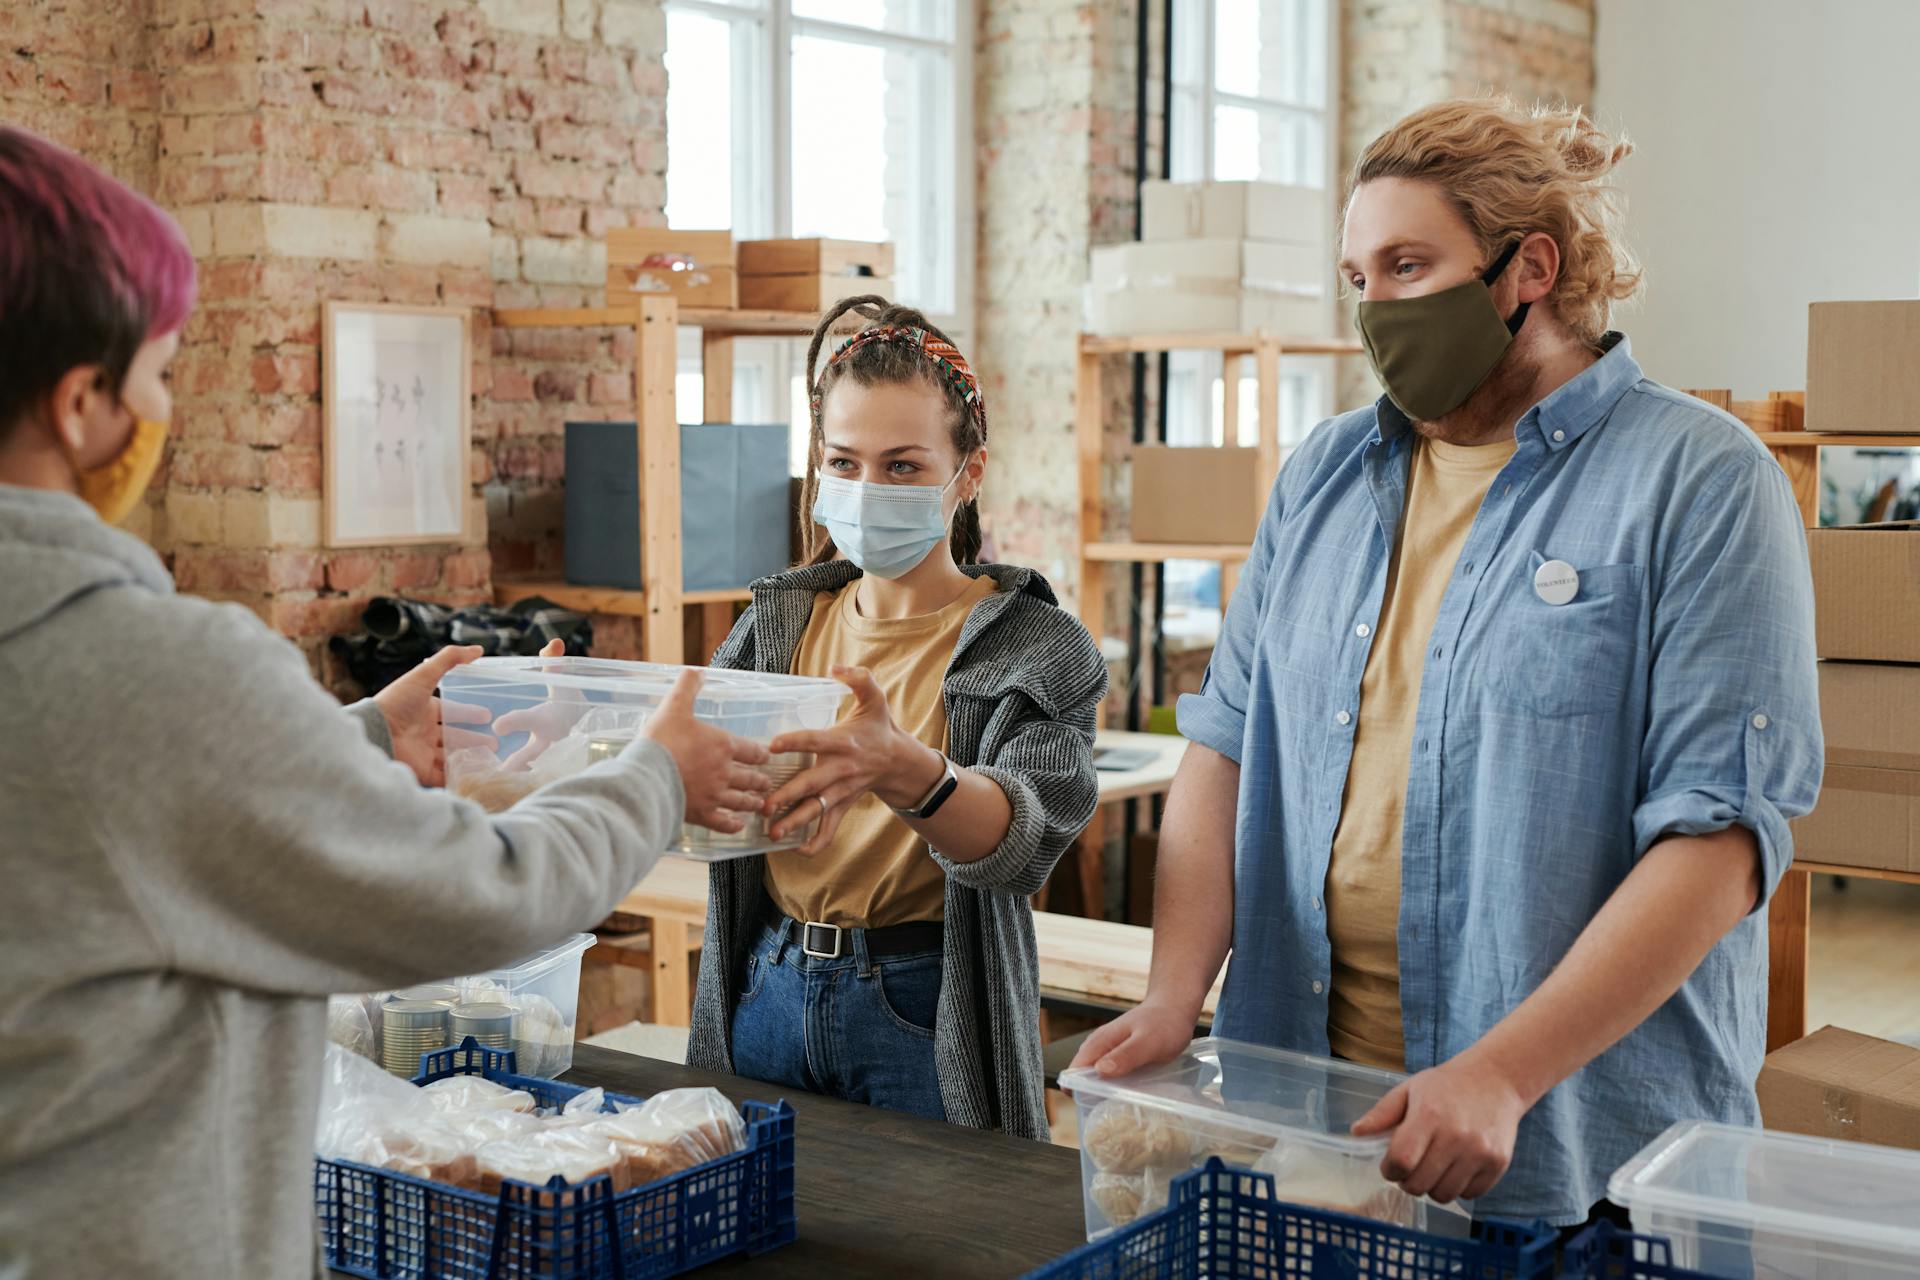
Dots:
pixel 873 156
pixel 1188 137
pixel 700 120
pixel 932 19
pixel 1269 144
pixel 1189 42
pixel 1272 49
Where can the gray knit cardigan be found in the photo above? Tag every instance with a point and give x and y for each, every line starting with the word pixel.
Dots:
pixel 1021 693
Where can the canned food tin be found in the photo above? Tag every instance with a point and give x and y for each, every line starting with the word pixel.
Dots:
pixel 490 1024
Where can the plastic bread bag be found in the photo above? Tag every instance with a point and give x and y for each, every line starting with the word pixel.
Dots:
pixel 543 1154
pixel 542 1037
pixel 700 1121
pixel 351 1027
pixel 1324 1180
pixel 359 1104
pixel 476 1093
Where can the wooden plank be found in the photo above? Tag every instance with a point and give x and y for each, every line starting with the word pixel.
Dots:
pixel 1229 582
pixel 1858 873
pixel 672 973
pixel 1244 343
pixel 1787 917
pixel 676 887
pixel 1150 780
pixel 654 367
pixel 1719 397
pixel 1158 552
pixel 716 377
pixel 564 317
pixel 1230 373
pixel 626 604
pixel 1102 958
pixel 763 324
pixel 1830 440
pixel 1089 448
pixel 719 595
pixel 1266 363
pixel 1090 856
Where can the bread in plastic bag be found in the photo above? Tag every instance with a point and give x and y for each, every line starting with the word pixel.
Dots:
pixel 1303 1175
pixel 476 1093
pixel 350 1026
pixel 539 1156
pixel 673 1131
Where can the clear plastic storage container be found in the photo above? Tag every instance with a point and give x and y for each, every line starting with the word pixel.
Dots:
pixel 395 1027
pixel 553 717
pixel 1776 1206
pixel 1282 1113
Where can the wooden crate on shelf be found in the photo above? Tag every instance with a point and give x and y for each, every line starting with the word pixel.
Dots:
pixel 696 268
pixel 811 275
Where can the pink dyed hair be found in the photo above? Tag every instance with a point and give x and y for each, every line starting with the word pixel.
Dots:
pixel 89 270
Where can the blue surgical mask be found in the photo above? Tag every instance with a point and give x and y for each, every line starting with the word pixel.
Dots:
pixel 885 529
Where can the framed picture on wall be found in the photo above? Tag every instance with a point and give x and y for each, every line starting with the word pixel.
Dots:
pixel 396 400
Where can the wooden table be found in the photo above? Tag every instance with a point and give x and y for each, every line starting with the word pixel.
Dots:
pixel 1102 959
pixel 881 1194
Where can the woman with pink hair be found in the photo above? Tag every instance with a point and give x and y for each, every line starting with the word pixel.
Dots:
pixel 200 845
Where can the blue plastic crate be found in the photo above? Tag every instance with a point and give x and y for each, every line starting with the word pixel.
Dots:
pixel 387 1225
pixel 1222 1223
pixel 1605 1252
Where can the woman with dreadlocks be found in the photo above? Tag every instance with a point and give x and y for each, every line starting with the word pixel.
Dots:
pixel 890 960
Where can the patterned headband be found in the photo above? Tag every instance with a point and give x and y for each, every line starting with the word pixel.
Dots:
pixel 948 364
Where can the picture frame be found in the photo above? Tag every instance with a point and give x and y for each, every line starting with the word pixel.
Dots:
pixel 397 422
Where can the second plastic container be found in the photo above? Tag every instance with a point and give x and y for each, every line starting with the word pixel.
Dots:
pixel 553 717
pixel 1750 1203
pixel 1280 1113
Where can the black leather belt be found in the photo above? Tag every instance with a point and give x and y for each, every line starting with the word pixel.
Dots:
pixel 830 942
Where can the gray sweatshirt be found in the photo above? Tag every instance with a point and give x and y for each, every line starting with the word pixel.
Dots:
pixel 197 845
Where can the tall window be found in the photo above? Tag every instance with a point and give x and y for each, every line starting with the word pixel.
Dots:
pixel 850 119
pixel 1252 101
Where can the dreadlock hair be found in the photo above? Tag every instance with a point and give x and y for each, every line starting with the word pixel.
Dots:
pixel 884 364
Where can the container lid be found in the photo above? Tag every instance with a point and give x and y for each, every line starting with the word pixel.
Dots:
pixel 1848 1192
pixel 1219 1084
pixel 649 679
pixel 477 1012
pixel 422 1012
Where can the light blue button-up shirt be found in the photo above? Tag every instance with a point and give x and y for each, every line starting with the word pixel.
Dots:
pixel 1552 746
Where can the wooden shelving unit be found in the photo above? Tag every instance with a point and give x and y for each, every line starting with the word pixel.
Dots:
pixel 1789 914
pixel 1265 350
pixel 667 634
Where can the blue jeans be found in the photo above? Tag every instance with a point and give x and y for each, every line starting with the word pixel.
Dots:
pixel 852 1027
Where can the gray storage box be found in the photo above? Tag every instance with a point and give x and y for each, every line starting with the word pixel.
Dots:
pixel 734 517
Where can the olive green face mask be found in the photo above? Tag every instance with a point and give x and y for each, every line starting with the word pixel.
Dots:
pixel 1431 352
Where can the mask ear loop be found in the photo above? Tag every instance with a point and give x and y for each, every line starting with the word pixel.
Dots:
pixel 1519 316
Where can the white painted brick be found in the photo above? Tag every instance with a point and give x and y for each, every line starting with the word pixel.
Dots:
pixel 196 220
pixel 194 518
pixel 304 231
pixel 429 240
pixel 547 261
pixel 239 230
pixel 534 17
pixel 506 257
pixel 578 18
pixel 259 520
pixel 634 24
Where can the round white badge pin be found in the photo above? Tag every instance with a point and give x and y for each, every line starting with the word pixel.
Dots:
pixel 1556 582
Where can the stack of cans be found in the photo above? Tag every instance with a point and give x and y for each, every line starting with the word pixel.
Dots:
pixel 490 1024
pixel 409 1028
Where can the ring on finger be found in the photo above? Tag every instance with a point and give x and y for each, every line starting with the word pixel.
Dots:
pixel 823 807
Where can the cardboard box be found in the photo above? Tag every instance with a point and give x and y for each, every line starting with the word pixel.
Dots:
pixel 1236 211
pixel 1841 1084
pixel 1195 494
pixel 1868 814
pixel 697 267
pixel 1210 286
pixel 1866 591
pixel 1863 367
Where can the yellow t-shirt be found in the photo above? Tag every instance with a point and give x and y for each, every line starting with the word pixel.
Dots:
pixel 877 871
pixel 1445 486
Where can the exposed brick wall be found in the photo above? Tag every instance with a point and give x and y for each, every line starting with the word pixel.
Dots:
pixel 465 153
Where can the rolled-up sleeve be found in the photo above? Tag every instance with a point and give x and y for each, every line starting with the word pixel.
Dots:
pixel 1733 733
pixel 1216 717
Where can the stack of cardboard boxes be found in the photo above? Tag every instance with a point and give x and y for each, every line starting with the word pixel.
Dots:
pixel 1862 379
pixel 1219 257
pixel 706 270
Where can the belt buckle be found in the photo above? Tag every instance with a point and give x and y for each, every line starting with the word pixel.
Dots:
pixel 806 940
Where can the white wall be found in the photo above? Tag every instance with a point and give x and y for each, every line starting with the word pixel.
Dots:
pixel 1778 164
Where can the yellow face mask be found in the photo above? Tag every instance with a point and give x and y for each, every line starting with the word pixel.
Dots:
pixel 115 487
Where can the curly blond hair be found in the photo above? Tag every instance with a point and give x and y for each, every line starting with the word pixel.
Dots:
pixel 1511 170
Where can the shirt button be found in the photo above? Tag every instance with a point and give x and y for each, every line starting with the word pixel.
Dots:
pixel 1363 631
pixel 1761 722
pixel 1423 744
pixel 1436 651
pixel 1342 717
pixel 1316 904
pixel 1467 567
pixel 1559 435
pixel 1318 986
